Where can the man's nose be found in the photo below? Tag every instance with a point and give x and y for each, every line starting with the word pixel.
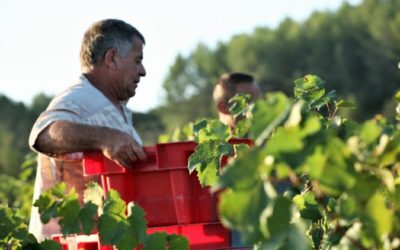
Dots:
pixel 142 71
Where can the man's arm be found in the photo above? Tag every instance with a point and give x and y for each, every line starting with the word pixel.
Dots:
pixel 63 137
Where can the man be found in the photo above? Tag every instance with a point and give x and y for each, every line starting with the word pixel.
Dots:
pixel 226 87
pixel 91 114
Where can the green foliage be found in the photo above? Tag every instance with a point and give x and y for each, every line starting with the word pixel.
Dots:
pixel 15 125
pixel 148 125
pixel 17 163
pixel 14 233
pixel 18 191
pixel 182 133
pixel 213 139
pixel 341 177
pixel 115 226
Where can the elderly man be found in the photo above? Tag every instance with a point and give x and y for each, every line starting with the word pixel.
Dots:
pixel 91 114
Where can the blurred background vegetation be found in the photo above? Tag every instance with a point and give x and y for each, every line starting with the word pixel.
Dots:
pixel 355 49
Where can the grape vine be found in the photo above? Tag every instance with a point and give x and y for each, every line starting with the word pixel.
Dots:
pixel 340 177
pixel 108 216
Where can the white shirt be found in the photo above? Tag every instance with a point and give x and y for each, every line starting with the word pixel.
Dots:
pixel 80 103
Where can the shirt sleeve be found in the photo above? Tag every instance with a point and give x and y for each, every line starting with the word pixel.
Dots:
pixel 48 117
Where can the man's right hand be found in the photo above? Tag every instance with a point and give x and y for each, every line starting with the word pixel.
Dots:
pixel 122 149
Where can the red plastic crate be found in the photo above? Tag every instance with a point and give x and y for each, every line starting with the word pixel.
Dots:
pixel 205 236
pixel 161 185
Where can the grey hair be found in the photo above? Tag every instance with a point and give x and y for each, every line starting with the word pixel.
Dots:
pixel 104 35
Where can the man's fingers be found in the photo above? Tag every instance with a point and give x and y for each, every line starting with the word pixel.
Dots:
pixel 124 164
pixel 131 155
pixel 139 151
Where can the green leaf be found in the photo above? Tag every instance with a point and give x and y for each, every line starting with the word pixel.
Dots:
pixel 308 207
pixel 268 114
pixel 370 131
pixel 208 174
pixel 157 240
pixel 177 242
pixel 114 204
pixel 347 207
pixel 282 170
pixel 335 179
pixel 297 238
pixel 218 130
pixel 391 152
pixel 138 222
pixel 20 233
pixel 214 131
pixel 47 207
pixel 59 190
pixel 126 241
pixel 202 154
pixel 242 128
pixel 278 218
pixel 331 206
pixel 111 228
pixel 200 125
pixel 48 202
pixel 206 160
pixel 239 174
pixel 311 126
pixel 87 217
pixel 299 201
pixel 49 245
pixel 315 163
pixel 337 175
pixel 7 221
pixel 345 104
pixel 225 149
pixel 380 215
pixel 366 185
pixel 317 94
pixel 307 82
pixel 241 210
pixel 69 213
pixel 239 104
pixel 293 238
pixel 285 140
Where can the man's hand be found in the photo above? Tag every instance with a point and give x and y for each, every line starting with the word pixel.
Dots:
pixel 122 149
pixel 65 137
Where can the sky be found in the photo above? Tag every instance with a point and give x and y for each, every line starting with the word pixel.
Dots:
pixel 40 39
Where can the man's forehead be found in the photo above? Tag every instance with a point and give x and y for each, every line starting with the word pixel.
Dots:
pixel 245 87
pixel 248 88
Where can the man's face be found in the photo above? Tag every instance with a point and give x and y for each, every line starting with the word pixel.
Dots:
pixel 130 70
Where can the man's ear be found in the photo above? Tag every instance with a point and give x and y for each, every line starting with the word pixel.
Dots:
pixel 223 107
pixel 110 58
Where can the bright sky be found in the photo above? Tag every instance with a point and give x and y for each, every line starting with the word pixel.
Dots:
pixel 40 39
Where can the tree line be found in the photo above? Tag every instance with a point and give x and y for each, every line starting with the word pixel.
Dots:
pixel 356 49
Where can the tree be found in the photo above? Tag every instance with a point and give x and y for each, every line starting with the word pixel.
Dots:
pixel 352 47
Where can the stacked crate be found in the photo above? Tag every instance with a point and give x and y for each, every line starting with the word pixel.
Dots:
pixel 173 200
